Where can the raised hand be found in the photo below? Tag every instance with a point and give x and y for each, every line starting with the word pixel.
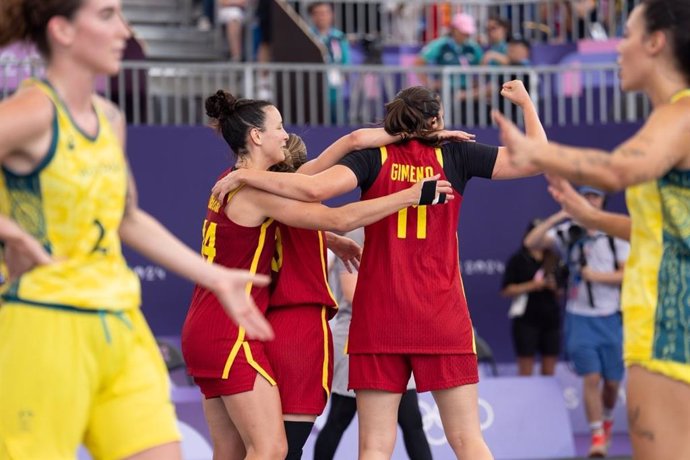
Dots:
pixel 516 93
pixel 520 148
pixel 570 200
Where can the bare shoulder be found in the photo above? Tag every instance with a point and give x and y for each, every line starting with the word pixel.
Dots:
pixel 28 104
pixel 25 121
pixel 111 111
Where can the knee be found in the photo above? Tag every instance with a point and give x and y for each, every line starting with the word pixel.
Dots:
pixel 592 381
pixel 270 449
pixel 464 441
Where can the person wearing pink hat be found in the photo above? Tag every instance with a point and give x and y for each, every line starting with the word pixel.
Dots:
pixel 456 48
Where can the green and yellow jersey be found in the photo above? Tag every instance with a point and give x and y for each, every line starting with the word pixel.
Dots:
pixel 73 203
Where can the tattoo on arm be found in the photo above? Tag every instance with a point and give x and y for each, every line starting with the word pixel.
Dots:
pixel 131 199
pixel 635 425
pixel 631 152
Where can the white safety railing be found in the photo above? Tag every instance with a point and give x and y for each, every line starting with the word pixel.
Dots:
pixel 418 21
pixel 312 94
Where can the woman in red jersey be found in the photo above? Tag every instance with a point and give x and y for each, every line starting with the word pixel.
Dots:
pixel 242 404
pixel 300 306
pixel 409 310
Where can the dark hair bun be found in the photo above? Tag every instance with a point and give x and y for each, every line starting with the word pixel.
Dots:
pixel 221 105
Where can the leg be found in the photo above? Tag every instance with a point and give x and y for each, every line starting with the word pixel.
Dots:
pixel 168 451
pixel 234 33
pixel 525 341
pixel 658 415
pixel 378 411
pixel 257 416
pixel 548 365
pixel 592 397
pixel 410 421
pixel 525 365
pixel 610 394
pixel 297 433
pixel 227 443
pixel 459 412
pixel 33 408
pixel 343 409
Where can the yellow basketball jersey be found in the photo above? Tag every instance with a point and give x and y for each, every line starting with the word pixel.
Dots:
pixel 656 285
pixel 73 204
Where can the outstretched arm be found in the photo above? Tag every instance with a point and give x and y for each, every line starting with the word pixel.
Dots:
pixel 350 216
pixel 579 208
pixel 516 92
pixel 147 236
pixel 538 238
pixel 660 145
pixel 356 140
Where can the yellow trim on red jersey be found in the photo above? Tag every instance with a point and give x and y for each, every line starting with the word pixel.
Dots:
pixel 326 357
pixel 680 95
pixel 421 222
pixel 402 223
pixel 474 342
pixel 255 365
pixel 324 269
pixel 384 154
pixel 439 156
pixel 248 289
pixel 233 353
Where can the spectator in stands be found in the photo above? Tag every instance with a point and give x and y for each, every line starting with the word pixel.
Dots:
pixel 456 48
pixel 337 48
pixel 519 52
pixel 532 278
pixel 264 90
pixel 497 31
pixel 231 13
pixel 208 15
pixel 593 325
pixel 405 20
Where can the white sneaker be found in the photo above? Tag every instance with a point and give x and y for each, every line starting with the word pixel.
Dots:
pixel 203 24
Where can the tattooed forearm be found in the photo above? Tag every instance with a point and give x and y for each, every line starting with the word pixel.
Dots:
pixel 635 425
pixel 631 152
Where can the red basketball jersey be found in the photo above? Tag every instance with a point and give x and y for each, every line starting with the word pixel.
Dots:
pixel 302 273
pixel 210 340
pixel 409 296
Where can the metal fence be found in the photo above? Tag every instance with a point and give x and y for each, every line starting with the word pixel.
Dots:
pixel 418 21
pixel 153 93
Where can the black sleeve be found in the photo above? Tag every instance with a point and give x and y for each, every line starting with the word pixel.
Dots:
pixel 366 165
pixel 464 160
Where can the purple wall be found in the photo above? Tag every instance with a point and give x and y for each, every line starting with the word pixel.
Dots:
pixel 175 168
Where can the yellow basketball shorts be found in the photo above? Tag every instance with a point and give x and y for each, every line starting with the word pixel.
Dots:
pixel 71 378
pixel 640 326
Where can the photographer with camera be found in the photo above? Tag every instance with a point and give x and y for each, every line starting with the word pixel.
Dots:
pixel 533 278
pixel 593 323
